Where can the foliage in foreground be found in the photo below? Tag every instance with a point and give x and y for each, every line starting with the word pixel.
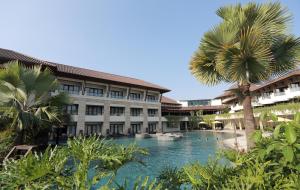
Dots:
pixel 26 104
pixel 68 167
pixel 273 164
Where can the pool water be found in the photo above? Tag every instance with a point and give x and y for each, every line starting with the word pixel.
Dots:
pixel 194 146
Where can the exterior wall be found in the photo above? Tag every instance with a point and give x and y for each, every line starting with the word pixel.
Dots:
pixel 82 99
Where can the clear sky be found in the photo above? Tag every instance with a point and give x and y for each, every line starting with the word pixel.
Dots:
pixel 148 39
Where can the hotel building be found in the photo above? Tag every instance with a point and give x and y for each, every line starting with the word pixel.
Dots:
pixel 111 105
pixel 279 90
pixel 102 103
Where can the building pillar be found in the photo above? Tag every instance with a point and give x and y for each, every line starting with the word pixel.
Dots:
pixel 81 118
pixel 106 118
pixel 145 119
pixel 240 125
pixel 127 120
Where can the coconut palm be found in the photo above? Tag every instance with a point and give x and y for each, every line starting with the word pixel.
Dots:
pixel 25 99
pixel 250 45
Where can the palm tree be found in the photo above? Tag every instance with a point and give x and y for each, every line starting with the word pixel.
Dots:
pixel 25 99
pixel 250 45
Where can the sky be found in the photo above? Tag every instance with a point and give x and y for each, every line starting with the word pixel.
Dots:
pixel 151 40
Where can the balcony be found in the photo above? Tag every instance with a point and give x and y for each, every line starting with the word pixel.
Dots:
pixel 135 99
pixel 117 97
pixel 295 89
pixel 94 94
pixel 279 93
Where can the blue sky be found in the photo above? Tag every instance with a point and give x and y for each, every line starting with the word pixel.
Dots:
pixel 148 39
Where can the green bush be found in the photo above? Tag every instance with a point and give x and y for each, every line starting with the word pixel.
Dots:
pixel 67 167
pixel 274 163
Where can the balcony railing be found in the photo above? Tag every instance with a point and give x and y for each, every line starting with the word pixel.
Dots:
pixel 117 97
pixel 279 93
pixel 71 91
pixel 94 94
pixel 295 89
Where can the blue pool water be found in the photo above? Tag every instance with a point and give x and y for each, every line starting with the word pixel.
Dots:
pixel 194 146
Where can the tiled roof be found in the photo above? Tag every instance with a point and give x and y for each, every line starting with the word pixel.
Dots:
pixel 166 100
pixel 8 55
pixel 195 108
pixel 267 83
pixel 107 76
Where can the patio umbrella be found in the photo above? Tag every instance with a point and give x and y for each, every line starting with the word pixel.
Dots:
pixel 202 122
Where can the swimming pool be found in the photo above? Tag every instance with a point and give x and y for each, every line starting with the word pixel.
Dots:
pixel 194 146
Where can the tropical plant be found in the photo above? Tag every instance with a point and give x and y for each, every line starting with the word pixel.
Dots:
pixel 68 167
pixel 171 178
pixel 140 184
pixel 274 163
pixel 265 117
pixel 194 118
pixel 25 99
pixel 173 121
pixel 250 45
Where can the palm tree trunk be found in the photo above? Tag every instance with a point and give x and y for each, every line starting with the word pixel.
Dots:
pixel 249 120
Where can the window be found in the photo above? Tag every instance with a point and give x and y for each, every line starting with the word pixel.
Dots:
pixel 152 127
pixel 117 111
pixel 93 128
pixel 71 89
pixel 151 98
pixel 136 128
pixel 136 111
pixel 71 109
pixel 135 96
pixel 71 129
pixel 152 112
pixel 94 92
pixel 94 110
pixel 295 86
pixel 116 128
pixel 116 94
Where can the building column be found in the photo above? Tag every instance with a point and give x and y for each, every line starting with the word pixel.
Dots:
pixel 240 125
pixel 127 124
pixel 81 118
pixel 145 119
pixel 106 118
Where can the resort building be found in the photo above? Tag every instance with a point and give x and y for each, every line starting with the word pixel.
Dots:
pixel 279 90
pixel 102 103
pixel 111 105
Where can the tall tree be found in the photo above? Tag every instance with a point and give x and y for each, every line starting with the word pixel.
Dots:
pixel 251 44
pixel 25 98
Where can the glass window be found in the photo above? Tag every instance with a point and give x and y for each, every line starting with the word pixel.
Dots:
pixel 93 128
pixel 136 111
pixel 94 110
pixel 94 92
pixel 135 96
pixel 71 109
pixel 71 130
pixel 71 89
pixel 136 128
pixel 116 128
pixel 152 112
pixel 151 98
pixel 117 111
pixel 152 127
pixel 116 94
